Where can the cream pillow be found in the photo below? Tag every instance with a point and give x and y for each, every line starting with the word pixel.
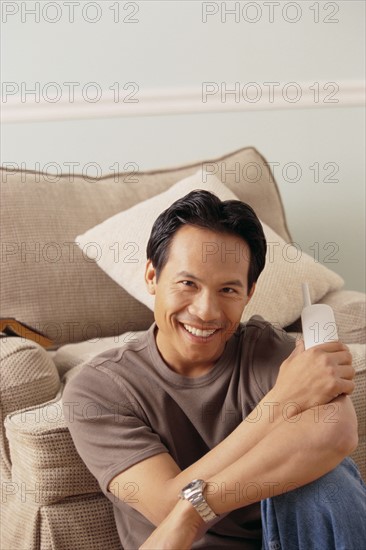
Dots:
pixel 278 294
pixel 118 245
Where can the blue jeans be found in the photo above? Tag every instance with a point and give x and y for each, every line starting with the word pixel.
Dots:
pixel 327 514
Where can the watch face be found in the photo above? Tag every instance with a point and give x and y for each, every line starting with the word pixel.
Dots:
pixel 193 485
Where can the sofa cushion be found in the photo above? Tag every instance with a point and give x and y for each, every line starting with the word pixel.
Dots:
pixel 69 356
pixel 358 352
pixel 43 453
pixel 28 377
pixel 85 522
pixel 349 308
pixel 46 280
pixel 278 296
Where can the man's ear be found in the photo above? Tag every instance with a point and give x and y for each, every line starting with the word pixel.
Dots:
pixel 150 277
pixel 251 292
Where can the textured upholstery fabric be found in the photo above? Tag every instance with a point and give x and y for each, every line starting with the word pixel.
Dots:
pixel 349 309
pixel 278 296
pixel 69 293
pixel 50 499
pixel 28 377
pixel 43 454
pixel 82 523
pixel 358 396
pixel 85 523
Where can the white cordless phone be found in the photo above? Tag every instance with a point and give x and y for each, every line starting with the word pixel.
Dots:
pixel 318 322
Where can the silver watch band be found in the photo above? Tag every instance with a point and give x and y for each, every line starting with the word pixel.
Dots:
pixel 204 510
pixel 193 492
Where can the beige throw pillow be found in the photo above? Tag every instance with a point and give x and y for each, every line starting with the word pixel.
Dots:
pixel 118 245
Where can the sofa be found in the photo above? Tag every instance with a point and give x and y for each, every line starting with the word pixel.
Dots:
pixel 50 500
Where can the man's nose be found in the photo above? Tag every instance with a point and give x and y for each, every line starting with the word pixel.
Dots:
pixel 204 306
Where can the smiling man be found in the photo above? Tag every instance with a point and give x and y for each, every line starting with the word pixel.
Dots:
pixel 214 430
pixel 197 310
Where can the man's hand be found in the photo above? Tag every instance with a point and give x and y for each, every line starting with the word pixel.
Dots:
pixel 315 376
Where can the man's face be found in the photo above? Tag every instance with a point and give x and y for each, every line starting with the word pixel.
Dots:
pixel 199 297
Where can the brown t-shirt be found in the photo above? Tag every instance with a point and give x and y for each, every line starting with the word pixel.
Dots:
pixel 126 405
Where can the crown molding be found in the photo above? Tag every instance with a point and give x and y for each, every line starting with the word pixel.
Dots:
pixel 209 98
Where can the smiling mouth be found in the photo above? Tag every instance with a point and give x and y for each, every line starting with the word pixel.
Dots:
pixel 199 332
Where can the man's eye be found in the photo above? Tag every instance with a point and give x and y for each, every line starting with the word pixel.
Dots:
pixel 187 283
pixel 228 290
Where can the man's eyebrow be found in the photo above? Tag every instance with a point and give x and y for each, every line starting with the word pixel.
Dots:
pixel 188 275
pixel 234 282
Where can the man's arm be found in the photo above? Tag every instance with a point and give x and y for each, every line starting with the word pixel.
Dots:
pixel 278 464
pixel 268 447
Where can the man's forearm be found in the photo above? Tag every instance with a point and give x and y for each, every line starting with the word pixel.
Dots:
pixel 267 415
pixel 296 452
pixel 304 378
pixel 292 454
pixel 313 436
pixel 171 479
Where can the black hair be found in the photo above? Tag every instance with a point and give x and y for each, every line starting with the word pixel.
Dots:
pixel 203 209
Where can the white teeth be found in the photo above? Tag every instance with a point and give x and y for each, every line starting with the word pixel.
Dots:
pixel 199 332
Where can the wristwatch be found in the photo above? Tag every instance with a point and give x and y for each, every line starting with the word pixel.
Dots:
pixel 194 493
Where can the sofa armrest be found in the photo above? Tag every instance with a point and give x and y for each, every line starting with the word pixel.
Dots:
pixel 53 466
pixel 358 397
pixel 52 500
pixel 28 377
pixel 349 308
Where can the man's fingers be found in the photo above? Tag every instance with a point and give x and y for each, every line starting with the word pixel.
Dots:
pixel 345 386
pixel 347 372
pixel 342 357
pixel 326 357
pixel 330 347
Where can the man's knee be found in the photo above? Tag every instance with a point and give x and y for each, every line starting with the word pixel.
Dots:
pixel 332 489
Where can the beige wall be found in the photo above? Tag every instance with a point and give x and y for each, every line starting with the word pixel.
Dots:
pixel 170 51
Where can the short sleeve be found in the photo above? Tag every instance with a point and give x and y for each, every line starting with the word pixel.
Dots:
pixel 107 425
pixel 272 346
